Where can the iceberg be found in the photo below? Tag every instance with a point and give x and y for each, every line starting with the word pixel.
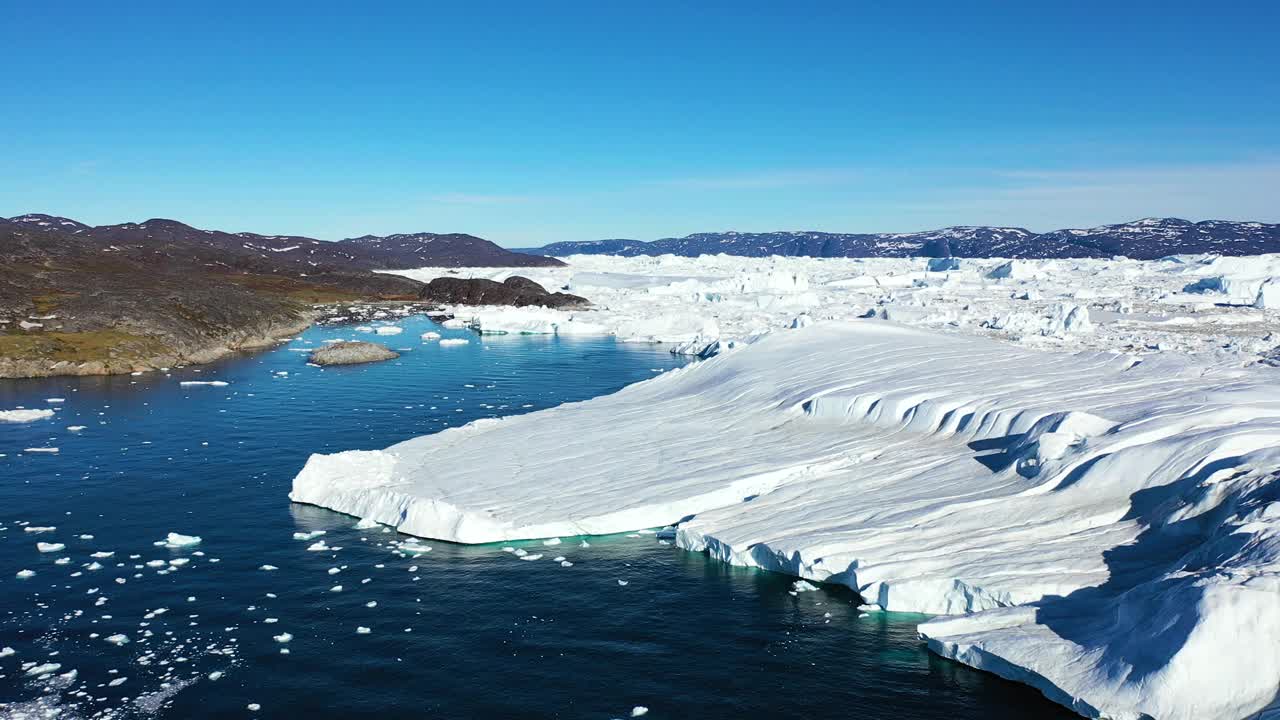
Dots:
pixel 1100 525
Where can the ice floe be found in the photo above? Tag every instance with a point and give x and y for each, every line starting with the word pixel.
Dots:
pixel 24 416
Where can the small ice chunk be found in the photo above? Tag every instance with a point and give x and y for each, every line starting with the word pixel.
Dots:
pixel 178 540
pixel 362 630
pixel 45 547
pixel 803 586
pixel 282 637
pixel 639 710
pixel 118 639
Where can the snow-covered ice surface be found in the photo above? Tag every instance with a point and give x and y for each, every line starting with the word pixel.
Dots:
pixel 1101 522
pixel 1203 304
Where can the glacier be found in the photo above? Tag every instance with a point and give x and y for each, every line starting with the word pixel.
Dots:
pixel 1203 304
pixel 1104 526
pixel 1071 465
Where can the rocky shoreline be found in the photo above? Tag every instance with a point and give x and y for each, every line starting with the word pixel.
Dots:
pixel 22 368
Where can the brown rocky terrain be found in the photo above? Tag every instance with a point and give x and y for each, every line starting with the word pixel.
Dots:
pixel 81 300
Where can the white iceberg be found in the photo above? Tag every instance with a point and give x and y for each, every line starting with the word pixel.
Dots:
pixel 1106 528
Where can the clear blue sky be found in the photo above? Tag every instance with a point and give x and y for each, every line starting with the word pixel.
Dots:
pixel 531 122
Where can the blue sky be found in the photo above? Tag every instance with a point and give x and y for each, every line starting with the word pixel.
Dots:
pixel 534 122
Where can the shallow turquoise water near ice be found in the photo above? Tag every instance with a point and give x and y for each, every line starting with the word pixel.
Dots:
pixel 457 632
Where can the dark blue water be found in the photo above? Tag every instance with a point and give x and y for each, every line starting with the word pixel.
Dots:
pixel 457 632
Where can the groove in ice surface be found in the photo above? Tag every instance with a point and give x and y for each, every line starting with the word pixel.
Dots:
pixel 1113 526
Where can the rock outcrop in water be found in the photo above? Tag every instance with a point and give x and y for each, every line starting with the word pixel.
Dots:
pixel 352 353
pixel 515 290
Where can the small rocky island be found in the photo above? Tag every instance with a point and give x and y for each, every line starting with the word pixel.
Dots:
pixel 515 290
pixel 352 353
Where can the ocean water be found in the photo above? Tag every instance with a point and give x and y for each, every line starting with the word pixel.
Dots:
pixel 453 632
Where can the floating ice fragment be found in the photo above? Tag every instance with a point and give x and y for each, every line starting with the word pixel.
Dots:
pixel 45 547
pixel 639 710
pixel 362 630
pixel 268 567
pixel 118 639
pixel 24 416
pixel 178 540
pixel 282 637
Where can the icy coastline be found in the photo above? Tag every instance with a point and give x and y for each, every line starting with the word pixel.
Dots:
pixel 1200 304
pixel 1105 527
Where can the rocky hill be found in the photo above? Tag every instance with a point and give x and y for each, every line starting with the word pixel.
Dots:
pixel 1141 239
pixel 77 299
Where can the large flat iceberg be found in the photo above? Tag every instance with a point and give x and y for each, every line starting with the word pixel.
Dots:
pixel 1102 526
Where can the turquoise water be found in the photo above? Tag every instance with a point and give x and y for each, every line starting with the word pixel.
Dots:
pixel 457 632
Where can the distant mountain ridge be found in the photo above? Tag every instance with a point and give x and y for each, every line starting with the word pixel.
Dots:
pixel 368 252
pixel 1144 239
